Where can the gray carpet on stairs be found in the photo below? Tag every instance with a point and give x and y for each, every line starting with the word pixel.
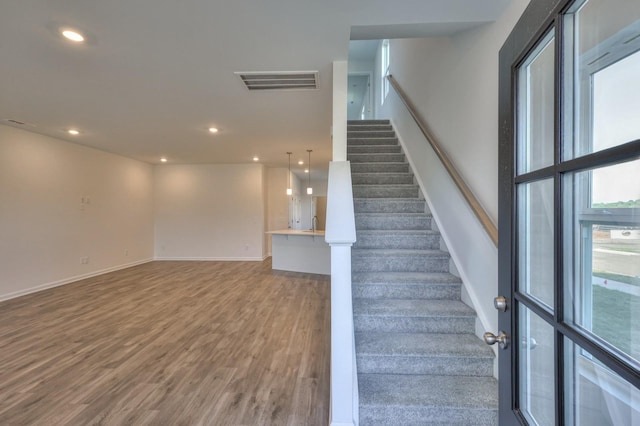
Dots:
pixel 419 361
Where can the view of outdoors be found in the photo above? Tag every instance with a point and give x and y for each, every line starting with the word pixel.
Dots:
pixel 615 260
pixel 602 238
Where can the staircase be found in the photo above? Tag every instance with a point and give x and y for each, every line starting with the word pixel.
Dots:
pixel 419 361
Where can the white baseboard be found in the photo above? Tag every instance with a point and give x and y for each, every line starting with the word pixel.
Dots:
pixel 213 259
pixel 70 280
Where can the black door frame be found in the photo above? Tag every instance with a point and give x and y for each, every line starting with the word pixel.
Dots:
pixel 532 26
pixel 538 18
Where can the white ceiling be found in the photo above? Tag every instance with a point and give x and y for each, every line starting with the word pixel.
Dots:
pixel 154 75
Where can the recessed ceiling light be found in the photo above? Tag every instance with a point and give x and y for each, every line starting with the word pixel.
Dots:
pixel 256 159
pixel 73 36
pixel 306 170
pixel 164 160
pixel 301 162
pixel 213 130
pixel 73 132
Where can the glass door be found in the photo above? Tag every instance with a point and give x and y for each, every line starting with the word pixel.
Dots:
pixel 570 215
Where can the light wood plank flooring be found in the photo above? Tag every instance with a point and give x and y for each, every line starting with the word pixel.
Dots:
pixel 169 343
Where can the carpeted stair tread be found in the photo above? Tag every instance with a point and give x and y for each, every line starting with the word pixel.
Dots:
pixel 388 205
pixel 412 316
pixel 382 179
pixel 422 344
pixel 398 239
pixel 383 186
pixel 371 141
pixel 428 278
pixel 370 125
pixel 424 232
pixel 397 260
pixel 365 122
pixel 400 252
pixel 384 191
pixel 406 285
pixel 364 133
pixel 411 214
pixel 389 399
pixel 376 158
pixel 423 353
pixel 370 149
pixel 412 308
pixel 400 221
pixel 387 166
pixel 394 200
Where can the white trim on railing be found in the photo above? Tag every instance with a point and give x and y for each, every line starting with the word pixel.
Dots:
pixel 340 235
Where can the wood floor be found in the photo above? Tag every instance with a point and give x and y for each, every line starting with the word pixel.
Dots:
pixel 169 343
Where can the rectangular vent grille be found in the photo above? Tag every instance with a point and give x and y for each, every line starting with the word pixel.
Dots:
pixel 14 122
pixel 294 80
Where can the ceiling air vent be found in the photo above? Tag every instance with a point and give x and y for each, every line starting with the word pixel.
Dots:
pixel 14 122
pixel 287 80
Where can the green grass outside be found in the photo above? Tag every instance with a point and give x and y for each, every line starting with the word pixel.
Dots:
pixel 616 319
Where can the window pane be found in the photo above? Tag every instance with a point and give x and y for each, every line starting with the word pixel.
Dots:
pixel 536 108
pixel 537 399
pixel 616 103
pixel 384 70
pixel 595 395
pixel 535 240
pixel 602 65
pixel 603 238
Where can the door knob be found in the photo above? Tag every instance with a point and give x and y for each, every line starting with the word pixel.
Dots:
pixel 500 303
pixel 501 338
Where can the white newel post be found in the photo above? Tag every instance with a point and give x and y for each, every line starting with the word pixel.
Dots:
pixel 342 356
pixel 340 235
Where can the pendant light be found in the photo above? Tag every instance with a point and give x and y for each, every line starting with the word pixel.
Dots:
pixel 289 190
pixel 309 189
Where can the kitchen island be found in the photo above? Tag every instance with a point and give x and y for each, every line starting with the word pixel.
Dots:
pixel 300 251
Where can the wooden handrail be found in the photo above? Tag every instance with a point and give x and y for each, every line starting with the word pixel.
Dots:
pixel 471 199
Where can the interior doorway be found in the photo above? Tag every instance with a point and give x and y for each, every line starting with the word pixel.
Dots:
pixel 359 97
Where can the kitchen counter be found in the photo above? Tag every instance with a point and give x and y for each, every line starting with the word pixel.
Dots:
pixel 300 251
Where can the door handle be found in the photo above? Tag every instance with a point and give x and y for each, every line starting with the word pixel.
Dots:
pixel 500 303
pixel 502 339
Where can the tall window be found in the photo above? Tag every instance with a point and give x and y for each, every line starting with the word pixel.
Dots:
pixel 384 70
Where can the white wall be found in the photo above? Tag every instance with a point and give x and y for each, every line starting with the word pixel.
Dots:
pixel 210 212
pixel 453 81
pixel 319 187
pixel 361 67
pixel 45 230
